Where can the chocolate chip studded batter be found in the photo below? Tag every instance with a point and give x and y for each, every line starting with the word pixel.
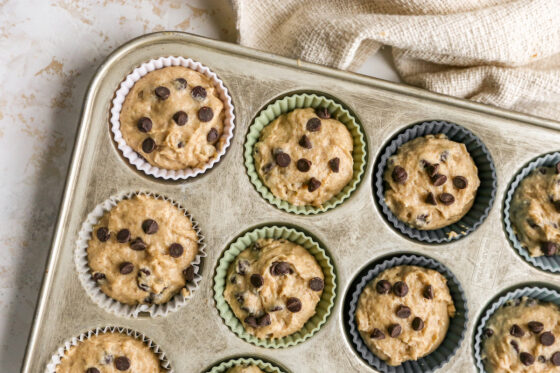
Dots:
pixel 522 336
pixel 245 369
pixel 304 157
pixel 109 353
pixel 141 251
pixel 403 314
pixel 273 287
pixel 535 212
pixel 431 182
pixel 173 117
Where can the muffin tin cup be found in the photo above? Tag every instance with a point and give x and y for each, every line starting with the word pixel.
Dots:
pixel 300 101
pixel 265 366
pixel 323 308
pixel 536 292
pixel 68 344
pixel 457 325
pixel 547 263
pixel 138 161
pixel 485 195
pixel 94 290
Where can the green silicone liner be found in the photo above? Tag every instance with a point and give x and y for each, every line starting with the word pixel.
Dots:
pixel 324 306
pixel 298 101
pixel 265 366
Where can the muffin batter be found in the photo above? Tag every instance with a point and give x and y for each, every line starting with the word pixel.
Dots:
pixel 535 212
pixel 273 287
pixel 521 337
pixel 141 250
pixel 174 118
pixel 245 369
pixel 110 353
pixel 305 157
pixel 403 314
pixel 431 182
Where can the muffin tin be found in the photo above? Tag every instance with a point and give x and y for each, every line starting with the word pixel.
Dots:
pixel 226 204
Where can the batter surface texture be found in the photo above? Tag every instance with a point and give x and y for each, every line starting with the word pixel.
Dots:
pixel 403 314
pixel 431 182
pixel 273 287
pixel 305 157
pixel 245 369
pixel 141 251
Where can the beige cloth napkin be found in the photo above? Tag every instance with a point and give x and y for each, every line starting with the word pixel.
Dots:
pixel 499 52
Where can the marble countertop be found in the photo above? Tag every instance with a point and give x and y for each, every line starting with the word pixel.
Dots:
pixel 50 51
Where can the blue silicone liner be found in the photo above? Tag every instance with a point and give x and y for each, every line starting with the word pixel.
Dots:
pixel 546 263
pixel 457 325
pixel 486 173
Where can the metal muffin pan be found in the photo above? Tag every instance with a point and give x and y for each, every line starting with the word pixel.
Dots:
pixel 225 203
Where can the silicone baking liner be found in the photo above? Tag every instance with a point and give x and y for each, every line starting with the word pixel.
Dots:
pixel 324 306
pixel 547 263
pixel 486 173
pixel 290 103
pixel 265 366
pixel 94 290
pixel 138 161
pixel 536 292
pixel 457 325
pixel 57 357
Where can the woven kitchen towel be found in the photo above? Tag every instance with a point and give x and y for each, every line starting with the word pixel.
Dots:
pixel 499 52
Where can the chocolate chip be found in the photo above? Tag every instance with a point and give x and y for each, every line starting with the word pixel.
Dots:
pixel 175 250
pixel 198 93
pixel 122 363
pixel 334 164
pixel 125 268
pixel 180 83
pixel 399 175
pixel 417 324
pixel 542 170
pixel 280 268
pixel 313 125
pixel 322 113
pixel 516 331
pixel 547 339
pixel 162 92
pixel 421 219
pixel 145 271
pixel 242 266
pixel 150 226
pixel 123 235
pixel 446 198
pixel 541 359
pixel 148 145
pixel 212 136
pixel 149 299
pixel 257 280
pixel 103 234
pixel 439 179
pixel 98 276
pixel 303 165
pixel 515 345
pixel 304 142
pixel 444 155
pixel 549 248
pixel 460 182
pixel 488 332
pixel 264 320
pixel 276 308
pixel 267 167
pixel 313 184
pixel 316 284
pixel 383 287
pixel 377 334
pixel 180 144
pixel 282 159
pixel 535 326
pixel 138 244
pixel 92 370
pixel 555 358
pixel 432 169
pixel 400 289
pixel 251 321
pixel 144 124
pixel 526 358
pixel 180 118
pixel 556 205
pixel 205 114
pixel 394 330
pixel 403 312
pixel 189 273
pixel 293 304
pixel 430 199
pixel 428 292
pixel 558 168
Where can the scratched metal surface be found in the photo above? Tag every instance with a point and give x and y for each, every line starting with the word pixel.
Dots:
pixel 225 204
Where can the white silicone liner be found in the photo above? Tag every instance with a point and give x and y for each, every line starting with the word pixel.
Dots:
pixel 94 290
pixel 133 157
pixel 68 344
